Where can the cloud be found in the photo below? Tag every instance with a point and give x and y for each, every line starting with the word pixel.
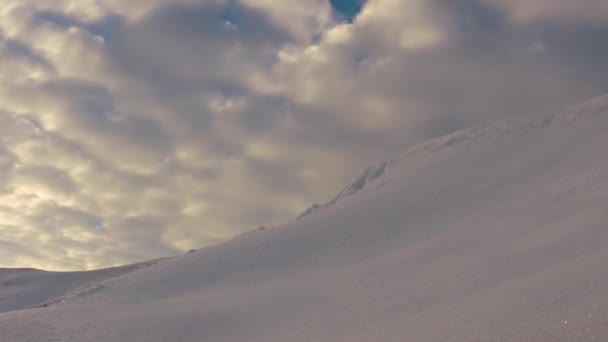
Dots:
pixel 304 20
pixel 140 129
pixel 570 12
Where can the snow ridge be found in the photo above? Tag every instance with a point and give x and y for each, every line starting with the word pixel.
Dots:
pixel 588 108
pixel 357 184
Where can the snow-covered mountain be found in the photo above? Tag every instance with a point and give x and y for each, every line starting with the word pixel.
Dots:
pixel 494 233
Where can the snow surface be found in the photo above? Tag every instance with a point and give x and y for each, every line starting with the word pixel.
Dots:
pixel 24 288
pixel 494 233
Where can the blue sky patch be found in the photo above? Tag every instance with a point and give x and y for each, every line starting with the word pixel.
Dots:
pixel 97 223
pixel 347 9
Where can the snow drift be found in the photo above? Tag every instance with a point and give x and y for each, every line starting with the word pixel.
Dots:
pixel 494 233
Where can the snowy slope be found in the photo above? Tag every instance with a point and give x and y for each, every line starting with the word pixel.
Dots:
pixel 494 233
pixel 22 288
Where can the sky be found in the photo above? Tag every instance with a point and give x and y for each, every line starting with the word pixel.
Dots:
pixel 131 130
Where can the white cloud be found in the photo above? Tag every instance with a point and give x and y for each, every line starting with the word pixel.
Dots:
pixel 303 19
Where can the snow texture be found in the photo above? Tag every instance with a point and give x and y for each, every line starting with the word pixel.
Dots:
pixel 494 233
pixel 353 187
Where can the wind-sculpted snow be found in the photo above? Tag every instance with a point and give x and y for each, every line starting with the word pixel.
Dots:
pixel 494 233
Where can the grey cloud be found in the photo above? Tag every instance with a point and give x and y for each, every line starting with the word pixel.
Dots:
pixel 52 179
pixel 106 27
pixel 177 44
pixel 18 49
pixel 582 12
pixel 7 163
pixel 86 113
pixel 16 254
pixel 7 160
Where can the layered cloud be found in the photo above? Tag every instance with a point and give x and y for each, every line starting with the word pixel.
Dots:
pixel 139 129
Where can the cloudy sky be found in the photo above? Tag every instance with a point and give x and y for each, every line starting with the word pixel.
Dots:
pixel 137 129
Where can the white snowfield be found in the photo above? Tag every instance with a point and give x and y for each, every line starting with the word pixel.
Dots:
pixel 494 233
